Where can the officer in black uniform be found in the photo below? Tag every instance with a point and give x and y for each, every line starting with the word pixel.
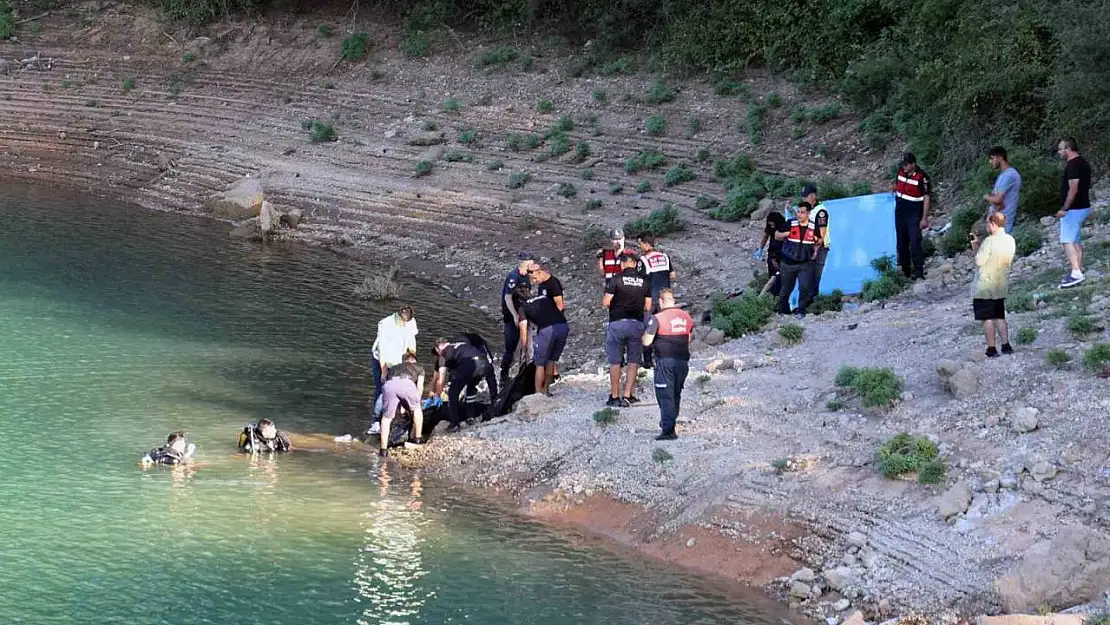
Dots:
pixel 263 437
pixel 461 365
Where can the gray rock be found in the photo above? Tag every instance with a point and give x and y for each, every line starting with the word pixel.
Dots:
pixel 869 558
pixel 840 577
pixel 1071 568
pixel 948 368
pixel 1048 220
pixel 715 337
pixel 1008 482
pixel 963 383
pixel 803 575
pixel 1024 420
pixel 799 590
pixel 720 364
pixel 532 406
pixel 247 232
pixel 954 501
pixel 293 218
pixel 921 289
pixel 269 218
pixel 842 605
pixel 992 486
pixel 1043 471
pixel 691 543
pixel 857 539
pixel 241 201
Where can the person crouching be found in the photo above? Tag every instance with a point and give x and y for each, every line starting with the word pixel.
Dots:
pixel 176 451
pixel 461 365
pixel 263 437
pixel 669 333
pixel 402 386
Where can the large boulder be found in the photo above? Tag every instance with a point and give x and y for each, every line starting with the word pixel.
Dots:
pixel 715 337
pixel 533 406
pixel 242 200
pixel 269 218
pixel 1070 569
pixel 954 501
pixel 1024 420
pixel 960 379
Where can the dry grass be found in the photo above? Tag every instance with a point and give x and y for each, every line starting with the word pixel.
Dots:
pixel 379 286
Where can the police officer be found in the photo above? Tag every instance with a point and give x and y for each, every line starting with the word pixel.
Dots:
pixel 799 242
pixel 668 334
pixel 819 215
pixel 912 189
pixel 608 258
pixel 263 437
pixel 656 267
pixel 628 300
pixel 461 366
pixel 510 308
pixel 176 451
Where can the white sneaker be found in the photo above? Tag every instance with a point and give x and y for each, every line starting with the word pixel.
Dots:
pixel 375 428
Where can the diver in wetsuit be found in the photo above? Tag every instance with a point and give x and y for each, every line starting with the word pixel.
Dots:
pixel 176 451
pixel 263 437
pixel 461 365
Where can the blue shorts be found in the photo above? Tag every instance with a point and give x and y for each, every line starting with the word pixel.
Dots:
pixel 549 344
pixel 1071 223
pixel 622 338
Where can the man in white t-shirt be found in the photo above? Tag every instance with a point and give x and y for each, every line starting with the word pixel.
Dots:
pixel 396 336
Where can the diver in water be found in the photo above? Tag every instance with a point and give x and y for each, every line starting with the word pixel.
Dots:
pixel 263 437
pixel 176 451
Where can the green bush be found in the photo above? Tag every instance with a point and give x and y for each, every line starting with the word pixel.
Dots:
pixel 781 464
pixel 678 175
pixel 704 203
pixel 875 387
pixel 594 237
pixel 889 283
pixel 423 168
pixel 497 58
pixel 1082 325
pixel 1028 238
pixel 355 47
pixel 451 105
pixel 567 190
pixel 725 86
pixel 655 126
pixel 591 204
pixel 792 332
pixel 661 456
pixel 833 302
pixel 466 137
pixel 846 376
pixel 1057 358
pixel 1026 336
pixel 932 472
pixel 739 166
pixel 703 154
pixel 606 416
pixel 582 152
pixel 454 156
pixel 128 84
pixel 1097 358
pixel 545 106
pixel 643 186
pixel 615 188
pixel 660 222
pixel 739 204
pixel 318 131
pixel 928 245
pixel 600 96
pixel 659 93
pixel 518 179
pixel 906 454
pixel 754 121
pixel 693 126
pixel 742 315
pixel 563 124
pixel 963 220
pixel 648 160
pixel 324 31
pixel 835 405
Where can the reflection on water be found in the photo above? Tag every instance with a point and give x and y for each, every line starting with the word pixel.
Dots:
pixel 120 326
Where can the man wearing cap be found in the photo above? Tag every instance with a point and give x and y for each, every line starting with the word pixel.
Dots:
pixel 819 215
pixel 912 189
pixel 510 308
pixel 608 258
pixel 396 336
pixel 628 300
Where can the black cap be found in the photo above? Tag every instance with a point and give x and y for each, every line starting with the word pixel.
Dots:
pixel 909 159
pixel 809 189
pixel 526 256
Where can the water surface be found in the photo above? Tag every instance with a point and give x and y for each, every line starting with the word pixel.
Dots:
pixel 121 325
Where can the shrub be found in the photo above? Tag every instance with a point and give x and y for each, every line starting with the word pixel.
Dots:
pixel 792 332
pixel 963 220
pixel 724 86
pixel 703 379
pixel 1057 358
pixel 587 173
pixel 514 142
pixel 128 84
pixel 704 203
pixel 693 126
pixel 1082 325
pixel 188 57
pixel 774 99
pixel 890 282
pixel 355 47
pixel 560 145
pixel 875 387
pixel 738 316
pixel 594 237
pixel 1017 302
pixel 563 124
pixel 615 188
pixel 1026 336
pixel 527 63
pixel 648 160
pixel 416 44
pixel 905 454
pixel 582 152
pixel 928 245
pixel 643 186
pixel 756 112
pixel 497 58
pixel 323 31
pixel 703 154
pixel 379 286
pixel 532 141
pixel 423 168
pixel 661 455
pixel 846 376
pixel 606 416
pixel 451 105
pixel 518 179
pixel 1097 358
pixel 1028 238
pixel 545 106
pixel 835 405
pixel 600 96
pixel 454 156
pixel 781 464
pixel 739 166
pixel 659 93
pixel 932 472
pixel 833 302
pixel 678 175
pixel 468 136
pixel 591 204
pixel 318 131
pixel 655 126
pixel 567 190
pixel 660 222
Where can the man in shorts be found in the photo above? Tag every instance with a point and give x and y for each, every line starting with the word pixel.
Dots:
pixel 993 257
pixel 551 333
pixel 628 300
pixel 1075 200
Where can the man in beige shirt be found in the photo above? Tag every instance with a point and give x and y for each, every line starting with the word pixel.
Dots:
pixel 993 257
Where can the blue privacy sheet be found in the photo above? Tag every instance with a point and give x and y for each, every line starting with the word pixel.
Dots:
pixel 861 229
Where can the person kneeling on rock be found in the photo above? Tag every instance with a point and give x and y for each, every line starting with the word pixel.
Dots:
pixel 176 451
pixel 461 365
pixel 402 387
pixel 263 437
pixel 668 334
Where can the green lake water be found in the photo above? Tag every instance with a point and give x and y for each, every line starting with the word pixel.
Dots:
pixel 119 325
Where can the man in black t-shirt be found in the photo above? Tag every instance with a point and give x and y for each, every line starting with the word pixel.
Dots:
pixel 1075 206
pixel 549 286
pixel 628 300
pixel 461 365
pixel 775 222
pixel 551 334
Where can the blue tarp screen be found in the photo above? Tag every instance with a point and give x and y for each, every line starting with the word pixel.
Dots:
pixel 861 229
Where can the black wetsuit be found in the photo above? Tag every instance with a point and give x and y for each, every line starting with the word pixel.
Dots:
pixel 165 455
pixel 251 441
